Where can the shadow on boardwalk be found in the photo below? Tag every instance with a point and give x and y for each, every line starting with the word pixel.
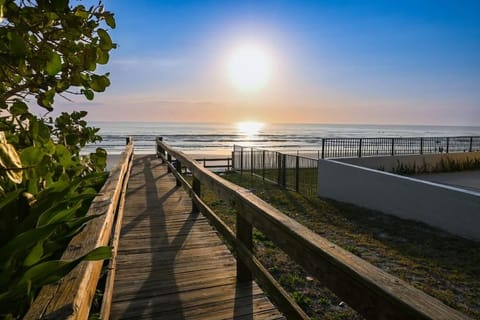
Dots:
pixel 171 263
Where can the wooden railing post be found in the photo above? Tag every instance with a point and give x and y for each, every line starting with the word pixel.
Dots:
pixel 178 166
pixel 169 160
pixel 244 234
pixel 160 150
pixel 197 188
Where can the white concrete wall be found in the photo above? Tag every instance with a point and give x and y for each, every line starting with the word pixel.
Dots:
pixel 389 163
pixel 451 209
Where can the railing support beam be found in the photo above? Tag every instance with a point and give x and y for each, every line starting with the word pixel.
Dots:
pixel 169 160
pixel 244 234
pixel 197 189
pixel 178 166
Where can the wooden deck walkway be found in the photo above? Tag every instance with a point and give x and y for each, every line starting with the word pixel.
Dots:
pixel 171 264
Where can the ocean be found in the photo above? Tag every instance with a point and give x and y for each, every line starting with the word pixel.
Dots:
pixel 219 138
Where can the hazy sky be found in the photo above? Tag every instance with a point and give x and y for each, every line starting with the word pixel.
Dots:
pixel 398 62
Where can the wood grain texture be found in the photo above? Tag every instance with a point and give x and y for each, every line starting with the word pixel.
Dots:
pixel 170 263
pixel 108 291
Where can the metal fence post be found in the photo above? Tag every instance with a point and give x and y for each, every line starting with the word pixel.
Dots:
pixel 279 168
pixel 421 145
pixel 263 164
pixel 251 162
pixel 284 170
pixel 323 148
pixel 360 148
pixel 241 160
pixel 393 146
pixel 297 173
pixel 448 144
pixel 471 144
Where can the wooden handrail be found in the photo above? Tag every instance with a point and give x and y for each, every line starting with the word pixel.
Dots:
pixel 71 297
pixel 366 288
pixel 115 239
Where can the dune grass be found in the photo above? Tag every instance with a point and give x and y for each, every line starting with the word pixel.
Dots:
pixel 442 265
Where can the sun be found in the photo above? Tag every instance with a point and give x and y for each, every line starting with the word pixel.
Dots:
pixel 249 68
pixel 249 128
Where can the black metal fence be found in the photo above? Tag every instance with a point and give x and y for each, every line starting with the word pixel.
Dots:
pixel 299 173
pixel 366 147
pixel 291 171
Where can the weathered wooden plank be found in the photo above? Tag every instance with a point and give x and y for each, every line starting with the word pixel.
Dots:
pixel 108 291
pixel 188 299
pixel 242 307
pixel 131 290
pixel 187 255
pixel 222 263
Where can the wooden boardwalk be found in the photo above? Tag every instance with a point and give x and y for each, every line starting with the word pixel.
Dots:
pixel 171 264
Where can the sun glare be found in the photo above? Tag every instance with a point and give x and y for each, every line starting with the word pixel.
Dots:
pixel 249 68
pixel 249 128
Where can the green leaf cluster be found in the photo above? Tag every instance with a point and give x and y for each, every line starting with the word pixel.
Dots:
pixel 46 190
pixel 47 48
pixel 50 47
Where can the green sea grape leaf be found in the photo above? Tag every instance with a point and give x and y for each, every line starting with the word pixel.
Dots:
pixel 54 65
pixel 110 20
pixel 9 198
pixel 88 94
pixel 55 216
pixel 24 241
pixel 19 108
pixel 99 253
pixel 31 156
pixel 105 40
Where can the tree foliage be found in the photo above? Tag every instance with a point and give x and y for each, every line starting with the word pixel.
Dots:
pixel 48 48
